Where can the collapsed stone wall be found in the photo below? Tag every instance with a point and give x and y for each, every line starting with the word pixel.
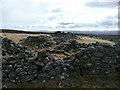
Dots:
pixel 39 41
pixel 20 64
pixel 24 66
pixel 96 60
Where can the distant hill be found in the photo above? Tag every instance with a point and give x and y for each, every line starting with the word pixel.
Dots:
pixel 48 32
pixel 20 31
pixel 90 32
pixel 98 32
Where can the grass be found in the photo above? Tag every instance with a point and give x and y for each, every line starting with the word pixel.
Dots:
pixel 81 39
pixel 96 81
pixel 88 40
pixel 86 81
pixel 17 37
pixel 60 55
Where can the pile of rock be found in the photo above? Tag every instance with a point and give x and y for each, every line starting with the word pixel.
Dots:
pixel 23 65
pixel 60 38
pixel 20 64
pixel 37 39
pixel 47 44
pixel 96 60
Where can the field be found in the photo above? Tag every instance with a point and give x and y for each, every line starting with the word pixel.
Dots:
pixel 83 39
pixel 17 37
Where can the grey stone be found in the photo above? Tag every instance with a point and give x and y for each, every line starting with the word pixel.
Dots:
pixel 66 82
pixel 18 70
pixel 62 77
pixel 12 75
pixel 38 63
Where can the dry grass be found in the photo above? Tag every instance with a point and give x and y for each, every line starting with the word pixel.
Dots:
pixel 60 55
pixel 17 37
pixel 88 40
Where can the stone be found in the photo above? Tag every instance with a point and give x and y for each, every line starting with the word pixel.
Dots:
pixel 58 62
pixel 66 82
pixel 62 77
pixel 38 63
pixel 4 86
pixel 18 70
pixel 29 78
pixel 32 59
pixel 20 56
pixel 52 73
pixel 48 67
pixel 12 75
pixel 43 76
pixel 21 64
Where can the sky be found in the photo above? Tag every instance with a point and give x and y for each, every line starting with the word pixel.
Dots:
pixel 54 15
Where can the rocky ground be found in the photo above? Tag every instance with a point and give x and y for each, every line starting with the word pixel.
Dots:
pixel 59 58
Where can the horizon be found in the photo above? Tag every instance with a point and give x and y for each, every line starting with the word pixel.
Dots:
pixel 56 30
pixel 113 32
pixel 59 15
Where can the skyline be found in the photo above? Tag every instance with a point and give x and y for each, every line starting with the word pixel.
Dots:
pixel 55 15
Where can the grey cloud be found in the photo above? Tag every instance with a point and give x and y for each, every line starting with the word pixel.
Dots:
pixel 111 20
pixel 112 17
pixel 69 25
pixel 75 25
pixel 61 27
pixel 102 4
pixel 65 23
pixel 52 18
pixel 108 22
pixel 57 10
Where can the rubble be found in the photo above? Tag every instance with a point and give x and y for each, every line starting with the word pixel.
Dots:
pixel 20 64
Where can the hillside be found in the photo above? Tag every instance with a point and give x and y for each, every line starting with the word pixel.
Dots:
pixel 55 60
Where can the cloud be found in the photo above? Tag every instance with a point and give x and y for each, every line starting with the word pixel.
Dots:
pixel 57 10
pixel 52 18
pixel 65 23
pixel 102 4
pixel 58 14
